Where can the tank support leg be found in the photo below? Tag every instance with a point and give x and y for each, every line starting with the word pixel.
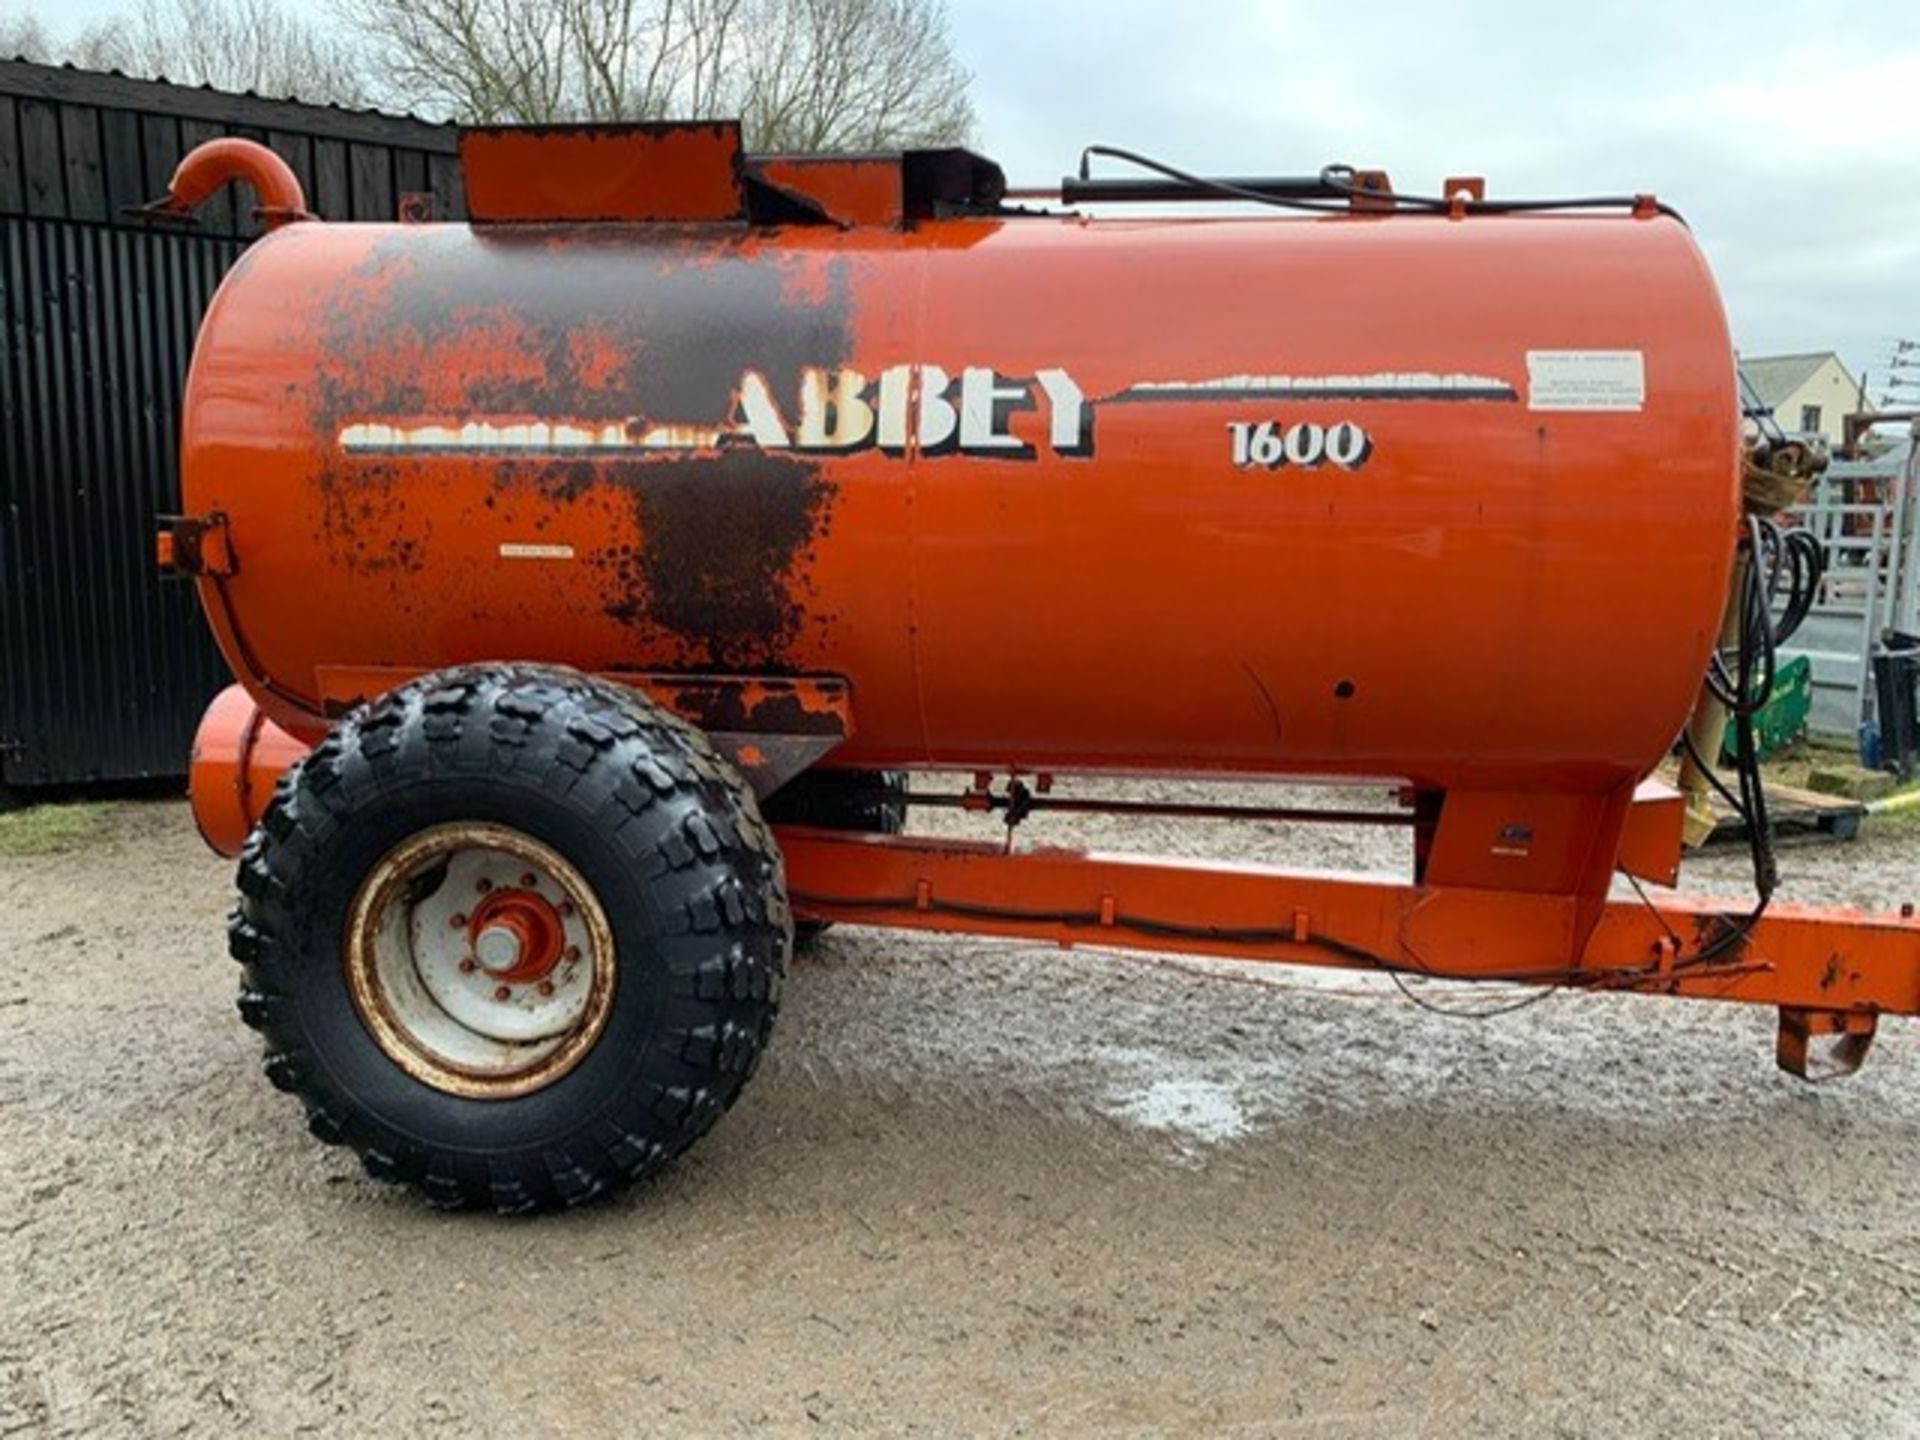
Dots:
pixel 1852 1033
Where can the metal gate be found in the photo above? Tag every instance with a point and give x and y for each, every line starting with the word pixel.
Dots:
pixel 1865 513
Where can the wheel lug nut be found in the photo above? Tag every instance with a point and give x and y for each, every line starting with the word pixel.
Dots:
pixel 529 881
pixel 483 885
pixel 466 966
pixel 546 987
pixel 565 907
pixel 573 952
pixel 503 992
pixel 458 922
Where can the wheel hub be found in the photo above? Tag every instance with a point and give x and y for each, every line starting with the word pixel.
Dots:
pixel 517 935
pixel 497 948
pixel 480 960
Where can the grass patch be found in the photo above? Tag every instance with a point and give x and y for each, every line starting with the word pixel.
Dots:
pixel 49 829
pixel 1896 822
pixel 1795 764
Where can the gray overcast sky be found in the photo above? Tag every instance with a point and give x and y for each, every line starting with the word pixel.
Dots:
pixel 1787 131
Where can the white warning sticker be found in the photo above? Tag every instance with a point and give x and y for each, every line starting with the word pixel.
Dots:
pixel 515 550
pixel 1586 380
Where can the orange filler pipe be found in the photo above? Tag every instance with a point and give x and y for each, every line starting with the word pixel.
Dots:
pixel 208 167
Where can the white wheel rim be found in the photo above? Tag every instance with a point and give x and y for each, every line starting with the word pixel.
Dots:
pixel 480 960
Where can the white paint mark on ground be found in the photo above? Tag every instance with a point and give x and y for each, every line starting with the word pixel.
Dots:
pixel 1195 1109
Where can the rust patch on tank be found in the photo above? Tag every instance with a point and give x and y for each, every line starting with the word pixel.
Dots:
pixel 729 704
pixel 641 333
pixel 589 322
pixel 718 567
pixel 367 522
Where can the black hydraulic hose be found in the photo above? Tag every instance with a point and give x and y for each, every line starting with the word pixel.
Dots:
pixel 1336 187
pixel 1773 557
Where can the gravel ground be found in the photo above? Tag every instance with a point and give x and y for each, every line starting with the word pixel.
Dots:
pixel 977 1188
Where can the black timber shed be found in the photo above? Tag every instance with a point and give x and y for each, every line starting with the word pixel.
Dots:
pixel 104 665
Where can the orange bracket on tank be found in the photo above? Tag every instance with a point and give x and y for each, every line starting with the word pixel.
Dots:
pixel 847 189
pixel 1650 841
pixel 770 727
pixel 194 545
pixel 1372 192
pixel 688 172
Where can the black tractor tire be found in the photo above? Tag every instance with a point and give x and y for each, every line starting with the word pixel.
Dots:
pixel 871 802
pixel 666 834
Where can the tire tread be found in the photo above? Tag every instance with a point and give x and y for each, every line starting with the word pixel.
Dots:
pixel 712 863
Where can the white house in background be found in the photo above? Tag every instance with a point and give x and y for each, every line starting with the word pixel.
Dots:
pixel 1808 394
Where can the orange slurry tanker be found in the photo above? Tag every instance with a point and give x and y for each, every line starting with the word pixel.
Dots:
pixel 592 570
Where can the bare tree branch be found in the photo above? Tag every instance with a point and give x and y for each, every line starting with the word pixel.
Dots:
pixel 801 74
pixel 24 35
pixel 232 44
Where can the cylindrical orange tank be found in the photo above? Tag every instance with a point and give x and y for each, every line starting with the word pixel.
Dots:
pixel 1451 500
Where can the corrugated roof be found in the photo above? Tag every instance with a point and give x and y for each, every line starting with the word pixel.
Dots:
pixel 82 74
pixel 1775 377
